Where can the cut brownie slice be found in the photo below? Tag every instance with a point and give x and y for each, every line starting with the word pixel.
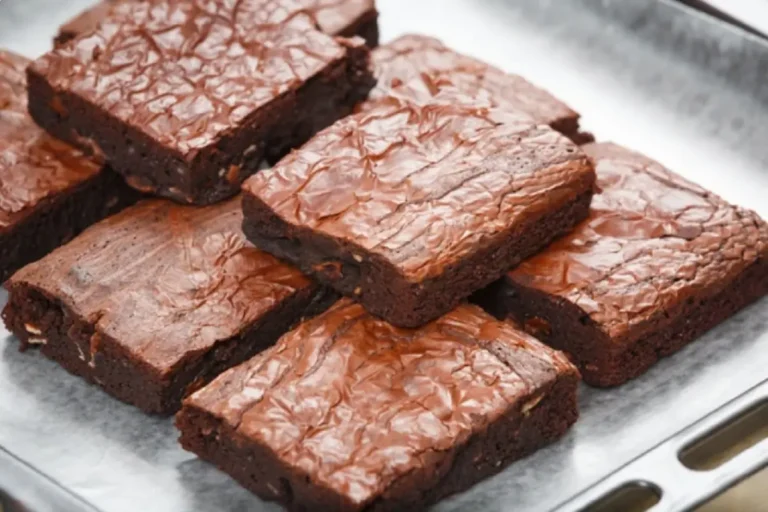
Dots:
pixel 49 191
pixel 658 262
pixel 349 413
pixel 415 65
pixel 411 208
pixel 186 98
pixel 152 303
pixel 334 17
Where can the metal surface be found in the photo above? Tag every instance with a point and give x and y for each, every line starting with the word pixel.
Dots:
pixel 671 83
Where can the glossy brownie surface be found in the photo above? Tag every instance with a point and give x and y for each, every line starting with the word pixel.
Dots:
pixel 362 408
pixel 420 66
pixel 422 186
pixel 181 82
pixel 334 17
pixel 652 239
pixel 164 280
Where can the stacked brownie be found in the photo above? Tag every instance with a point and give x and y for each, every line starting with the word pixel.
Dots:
pixel 417 177
pixel 187 98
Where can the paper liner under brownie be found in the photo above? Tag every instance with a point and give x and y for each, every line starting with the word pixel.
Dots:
pixel 417 65
pixel 154 302
pixel 336 17
pixel 189 110
pixel 659 262
pixel 347 412
pixel 49 191
pixel 410 208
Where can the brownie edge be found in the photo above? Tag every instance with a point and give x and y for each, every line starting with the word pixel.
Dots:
pixel 386 208
pixel 658 262
pixel 348 413
pixel 197 144
pixel 154 302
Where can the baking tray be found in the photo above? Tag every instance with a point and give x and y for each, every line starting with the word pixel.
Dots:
pixel 684 88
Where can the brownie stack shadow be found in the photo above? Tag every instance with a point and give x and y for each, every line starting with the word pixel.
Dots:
pixel 408 179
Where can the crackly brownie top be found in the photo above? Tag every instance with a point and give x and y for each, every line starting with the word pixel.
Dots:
pixel 652 240
pixel 33 166
pixel 164 280
pixel 355 403
pixel 332 16
pixel 422 186
pixel 422 65
pixel 188 72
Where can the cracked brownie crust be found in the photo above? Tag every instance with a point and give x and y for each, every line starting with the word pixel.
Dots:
pixel 349 413
pixel 334 17
pixel 156 301
pixel 49 191
pixel 187 98
pixel 658 263
pixel 417 66
pixel 411 208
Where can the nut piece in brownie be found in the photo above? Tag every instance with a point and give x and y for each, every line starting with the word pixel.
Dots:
pixel 186 98
pixel 154 302
pixel 417 65
pixel 347 412
pixel 49 191
pixel 411 208
pixel 659 262
pixel 334 17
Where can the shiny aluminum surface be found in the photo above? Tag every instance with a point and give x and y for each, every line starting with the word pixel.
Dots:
pixel 676 85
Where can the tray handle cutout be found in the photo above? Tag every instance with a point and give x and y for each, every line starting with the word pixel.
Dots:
pixel 727 440
pixel 630 497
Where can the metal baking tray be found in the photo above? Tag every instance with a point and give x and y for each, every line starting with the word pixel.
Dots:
pixel 653 75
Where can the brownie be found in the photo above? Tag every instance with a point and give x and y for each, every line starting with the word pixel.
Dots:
pixel 420 64
pixel 410 208
pixel 186 98
pixel 348 413
pixel 156 301
pixel 659 262
pixel 334 17
pixel 49 191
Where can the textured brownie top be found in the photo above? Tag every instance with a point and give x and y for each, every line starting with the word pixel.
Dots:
pixel 163 280
pixel 33 166
pixel 332 16
pixel 188 72
pixel 423 186
pixel 422 65
pixel 652 239
pixel 356 403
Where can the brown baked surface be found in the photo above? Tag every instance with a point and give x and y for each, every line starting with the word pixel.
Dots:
pixel 659 261
pixel 157 300
pixel 347 412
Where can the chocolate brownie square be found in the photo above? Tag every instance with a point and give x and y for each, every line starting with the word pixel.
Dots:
pixel 658 262
pixel 349 413
pixel 410 208
pixel 49 191
pixel 418 65
pixel 334 17
pixel 154 302
pixel 186 98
